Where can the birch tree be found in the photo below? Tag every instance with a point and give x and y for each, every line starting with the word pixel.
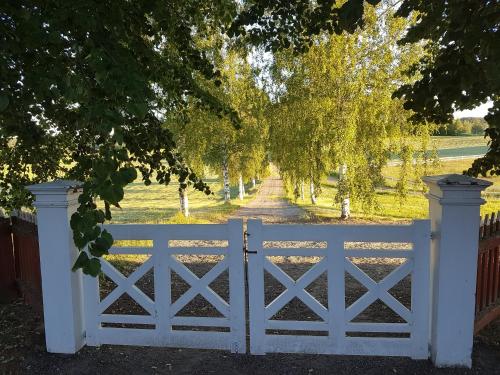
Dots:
pixel 334 110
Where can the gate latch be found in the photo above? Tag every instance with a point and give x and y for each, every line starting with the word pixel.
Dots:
pixel 245 244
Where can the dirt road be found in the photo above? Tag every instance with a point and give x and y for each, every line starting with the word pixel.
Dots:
pixel 270 206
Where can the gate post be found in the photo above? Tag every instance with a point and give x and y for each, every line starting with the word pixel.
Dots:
pixel 61 288
pixel 454 206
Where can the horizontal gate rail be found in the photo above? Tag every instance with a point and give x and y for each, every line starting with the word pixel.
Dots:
pixel 337 318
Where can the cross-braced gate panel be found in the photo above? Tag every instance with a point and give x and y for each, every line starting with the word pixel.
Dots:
pixel 337 328
pixel 165 314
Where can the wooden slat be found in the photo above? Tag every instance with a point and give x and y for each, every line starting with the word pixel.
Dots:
pixel 195 321
pixel 127 319
pixel 378 327
pixel 491 274
pixel 479 284
pixel 496 286
pixel 295 325
pixel 8 287
pixel 484 293
pixel 379 253
pixel 283 251
pixel 486 225
pixel 130 250
pixel 198 250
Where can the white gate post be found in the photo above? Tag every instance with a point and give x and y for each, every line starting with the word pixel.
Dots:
pixel 61 287
pixel 454 203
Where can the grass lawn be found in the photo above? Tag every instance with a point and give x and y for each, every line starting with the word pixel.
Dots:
pixel 449 166
pixel 160 204
pixel 390 208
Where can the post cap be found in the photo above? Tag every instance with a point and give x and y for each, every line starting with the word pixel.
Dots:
pixel 456 180
pixel 56 186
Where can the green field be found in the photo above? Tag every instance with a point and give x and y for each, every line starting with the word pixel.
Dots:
pixel 390 207
pixel 446 142
pixel 160 204
pixel 449 166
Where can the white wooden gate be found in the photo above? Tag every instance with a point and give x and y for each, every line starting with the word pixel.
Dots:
pixel 336 325
pixel 158 326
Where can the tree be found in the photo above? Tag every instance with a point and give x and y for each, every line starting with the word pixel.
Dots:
pixel 334 109
pixel 460 70
pixel 83 90
pixel 208 139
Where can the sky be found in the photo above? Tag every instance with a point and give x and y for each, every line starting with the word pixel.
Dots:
pixel 480 111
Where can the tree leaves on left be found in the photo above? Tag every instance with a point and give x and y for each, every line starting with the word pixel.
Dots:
pixel 84 90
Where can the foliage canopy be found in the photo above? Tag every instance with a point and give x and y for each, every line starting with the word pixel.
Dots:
pixel 85 87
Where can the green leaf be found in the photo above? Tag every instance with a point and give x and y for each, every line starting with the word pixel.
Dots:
pixel 4 102
pixel 128 174
pixel 92 267
pixel 81 261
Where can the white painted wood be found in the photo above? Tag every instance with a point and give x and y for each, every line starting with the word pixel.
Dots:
pixel 195 321
pixel 337 318
pixel 256 303
pixel 162 312
pixel 61 288
pixel 283 251
pixel 454 202
pixel 130 250
pixel 91 306
pixel 378 327
pixel 127 319
pixel 162 288
pixel 237 296
pixel 198 250
pixel 420 292
pixel 297 325
pixel 376 253
pixel 336 293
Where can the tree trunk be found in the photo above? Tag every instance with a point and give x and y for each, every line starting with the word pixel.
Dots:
pixel 253 183
pixel 313 195
pixel 345 210
pixel 241 188
pixel 183 198
pixel 302 195
pixel 225 175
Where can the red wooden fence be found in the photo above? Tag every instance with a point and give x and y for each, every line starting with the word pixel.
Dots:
pixel 19 259
pixel 488 272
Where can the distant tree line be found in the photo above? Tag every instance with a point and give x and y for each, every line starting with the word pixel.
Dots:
pixel 463 126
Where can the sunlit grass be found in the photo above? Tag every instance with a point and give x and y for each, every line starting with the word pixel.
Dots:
pixel 160 204
pixel 389 206
pixel 444 167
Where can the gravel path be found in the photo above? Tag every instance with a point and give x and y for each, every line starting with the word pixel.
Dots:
pixel 270 206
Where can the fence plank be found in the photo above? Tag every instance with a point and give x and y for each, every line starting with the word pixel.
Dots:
pixel 27 256
pixel 8 288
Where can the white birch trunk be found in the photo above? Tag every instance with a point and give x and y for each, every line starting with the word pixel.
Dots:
pixel 313 194
pixel 345 210
pixel 302 195
pixel 225 176
pixel 183 198
pixel 241 188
